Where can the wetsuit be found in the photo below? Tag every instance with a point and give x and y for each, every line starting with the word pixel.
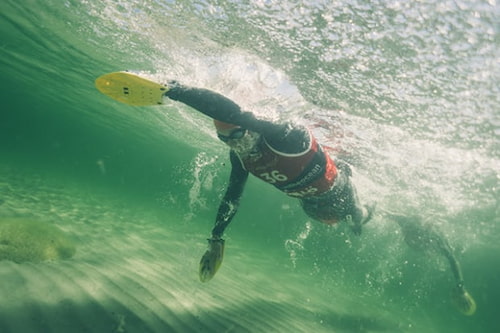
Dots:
pixel 286 156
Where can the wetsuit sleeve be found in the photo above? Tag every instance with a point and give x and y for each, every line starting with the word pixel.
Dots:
pixel 229 205
pixel 281 136
pixel 447 251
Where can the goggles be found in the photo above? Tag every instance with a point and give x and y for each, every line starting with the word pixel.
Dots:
pixel 235 134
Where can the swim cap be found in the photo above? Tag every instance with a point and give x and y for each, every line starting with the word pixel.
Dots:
pixel 224 127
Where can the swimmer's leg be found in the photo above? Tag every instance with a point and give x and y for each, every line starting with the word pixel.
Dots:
pixel 358 214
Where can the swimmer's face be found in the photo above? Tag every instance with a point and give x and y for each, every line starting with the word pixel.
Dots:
pixel 238 139
pixel 231 134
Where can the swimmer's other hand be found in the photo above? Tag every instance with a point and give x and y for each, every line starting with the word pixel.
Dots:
pixel 212 259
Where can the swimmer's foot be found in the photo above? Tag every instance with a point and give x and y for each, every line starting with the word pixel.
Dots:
pixel 357 224
pixel 355 227
pixel 368 211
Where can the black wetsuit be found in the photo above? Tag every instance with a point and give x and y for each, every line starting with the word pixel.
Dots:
pixel 335 205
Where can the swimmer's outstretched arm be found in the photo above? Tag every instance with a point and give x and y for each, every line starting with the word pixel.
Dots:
pixel 281 136
pixel 219 107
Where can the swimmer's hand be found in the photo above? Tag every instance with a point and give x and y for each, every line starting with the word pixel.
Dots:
pixel 355 226
pixel 463 301
pixel 212 259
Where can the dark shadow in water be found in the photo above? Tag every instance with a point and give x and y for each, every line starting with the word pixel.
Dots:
pixel 359 323
pixel 69 316
pixel 111 316
pixel 282 317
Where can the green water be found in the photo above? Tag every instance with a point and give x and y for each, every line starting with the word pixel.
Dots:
pixel 408 90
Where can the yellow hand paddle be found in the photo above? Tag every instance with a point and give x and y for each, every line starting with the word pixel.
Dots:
pixel 463 301
pixel 131 89
pixel 211 260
